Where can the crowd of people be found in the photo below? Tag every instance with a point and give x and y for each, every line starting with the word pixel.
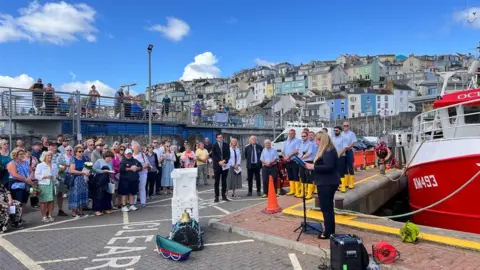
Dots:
pixel 94 176
pixel 45 101
pixel 91 175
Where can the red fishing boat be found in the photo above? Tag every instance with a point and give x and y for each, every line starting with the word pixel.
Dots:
pixel 444 167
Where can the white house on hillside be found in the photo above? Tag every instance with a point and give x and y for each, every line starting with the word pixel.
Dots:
pixel 324 77
pixel 385 103
pixel 260 90
pixel 263 71
pixel 401 95
pixel 244 98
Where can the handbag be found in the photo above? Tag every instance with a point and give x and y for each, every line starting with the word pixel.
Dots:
pixel 111 187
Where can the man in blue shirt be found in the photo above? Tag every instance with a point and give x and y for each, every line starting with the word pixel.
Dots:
pixel 307 155
pixel 341 147
pixel 269 159
pixel 350 139
pixel 290 149
pixel 311 138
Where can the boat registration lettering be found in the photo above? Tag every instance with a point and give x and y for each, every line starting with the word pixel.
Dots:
pixel 427 181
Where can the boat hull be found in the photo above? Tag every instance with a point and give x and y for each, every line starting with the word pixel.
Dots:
pixel 434 179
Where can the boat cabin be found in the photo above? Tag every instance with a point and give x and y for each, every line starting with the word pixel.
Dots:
pixel 455 115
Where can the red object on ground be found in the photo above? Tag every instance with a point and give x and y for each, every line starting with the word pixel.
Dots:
pixel 385 253
pixel 272 203
pixel 358 159
pixel 458 97
pixel 431 181
pixel 282 173
pixel 370 157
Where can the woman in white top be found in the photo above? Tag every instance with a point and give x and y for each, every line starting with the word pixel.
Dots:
pixel 140 156
pixel 234 180
pixel 46 175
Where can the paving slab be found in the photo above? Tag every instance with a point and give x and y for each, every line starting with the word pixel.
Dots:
pixel 424 255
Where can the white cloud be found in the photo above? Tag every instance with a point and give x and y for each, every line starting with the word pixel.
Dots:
pixel 21 81
pixel 232 20
pixel 469 17
pixel 84 87
pixel 261 62
pixel 56 23
pixel 73 75
pixel 175 29
pixel 203 66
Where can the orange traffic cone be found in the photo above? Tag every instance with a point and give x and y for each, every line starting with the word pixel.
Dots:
pixel 272 203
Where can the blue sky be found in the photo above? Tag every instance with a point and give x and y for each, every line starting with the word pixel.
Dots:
pixel 105 42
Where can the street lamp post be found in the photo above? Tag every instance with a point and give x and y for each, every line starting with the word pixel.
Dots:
pixel 273 109
pixel 384 117
pixel 149 49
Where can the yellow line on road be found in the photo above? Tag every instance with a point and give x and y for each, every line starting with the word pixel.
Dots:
pixel 351 221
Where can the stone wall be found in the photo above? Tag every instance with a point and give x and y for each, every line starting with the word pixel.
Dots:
pixel 374 125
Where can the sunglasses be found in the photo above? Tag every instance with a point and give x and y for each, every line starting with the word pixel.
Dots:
pixel 155 142
pixel 80 151
pixel 304 136
pixel 346 125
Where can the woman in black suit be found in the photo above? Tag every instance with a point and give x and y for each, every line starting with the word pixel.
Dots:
pixel 327 179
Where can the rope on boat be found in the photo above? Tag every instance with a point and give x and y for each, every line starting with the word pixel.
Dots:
pixel 406 166
pixel 348 212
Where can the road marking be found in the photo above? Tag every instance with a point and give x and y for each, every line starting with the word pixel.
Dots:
pixel 206 191
pixel 221 209
pixel 125 218
pixel 108 225
pixel 367 178
pixel 62 260
pixel 157 201
pixel 161 205
pixel 19 255
pixel 48 225
pixel 293 258
pixel 246 200
pixel 229 243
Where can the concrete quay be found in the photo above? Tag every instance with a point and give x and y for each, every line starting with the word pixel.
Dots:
pixel 279 229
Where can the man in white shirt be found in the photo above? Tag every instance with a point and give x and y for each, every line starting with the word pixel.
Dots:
pixel 269 159
pixel 341 147
pixel 350 139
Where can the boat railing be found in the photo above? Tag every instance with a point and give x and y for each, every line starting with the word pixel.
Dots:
pixel 448 122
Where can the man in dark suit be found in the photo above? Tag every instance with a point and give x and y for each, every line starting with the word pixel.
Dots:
pixel 220 157
pixel 253 151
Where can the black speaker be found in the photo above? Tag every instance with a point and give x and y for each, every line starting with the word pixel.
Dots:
pixel 347 252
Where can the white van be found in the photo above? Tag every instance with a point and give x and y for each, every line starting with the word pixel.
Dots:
pixel 298 127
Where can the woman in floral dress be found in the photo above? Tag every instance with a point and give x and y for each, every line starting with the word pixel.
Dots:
pixel 78 196
pixel 7 219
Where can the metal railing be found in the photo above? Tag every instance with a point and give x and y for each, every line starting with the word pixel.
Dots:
pixel 20 103
pixel 453 121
